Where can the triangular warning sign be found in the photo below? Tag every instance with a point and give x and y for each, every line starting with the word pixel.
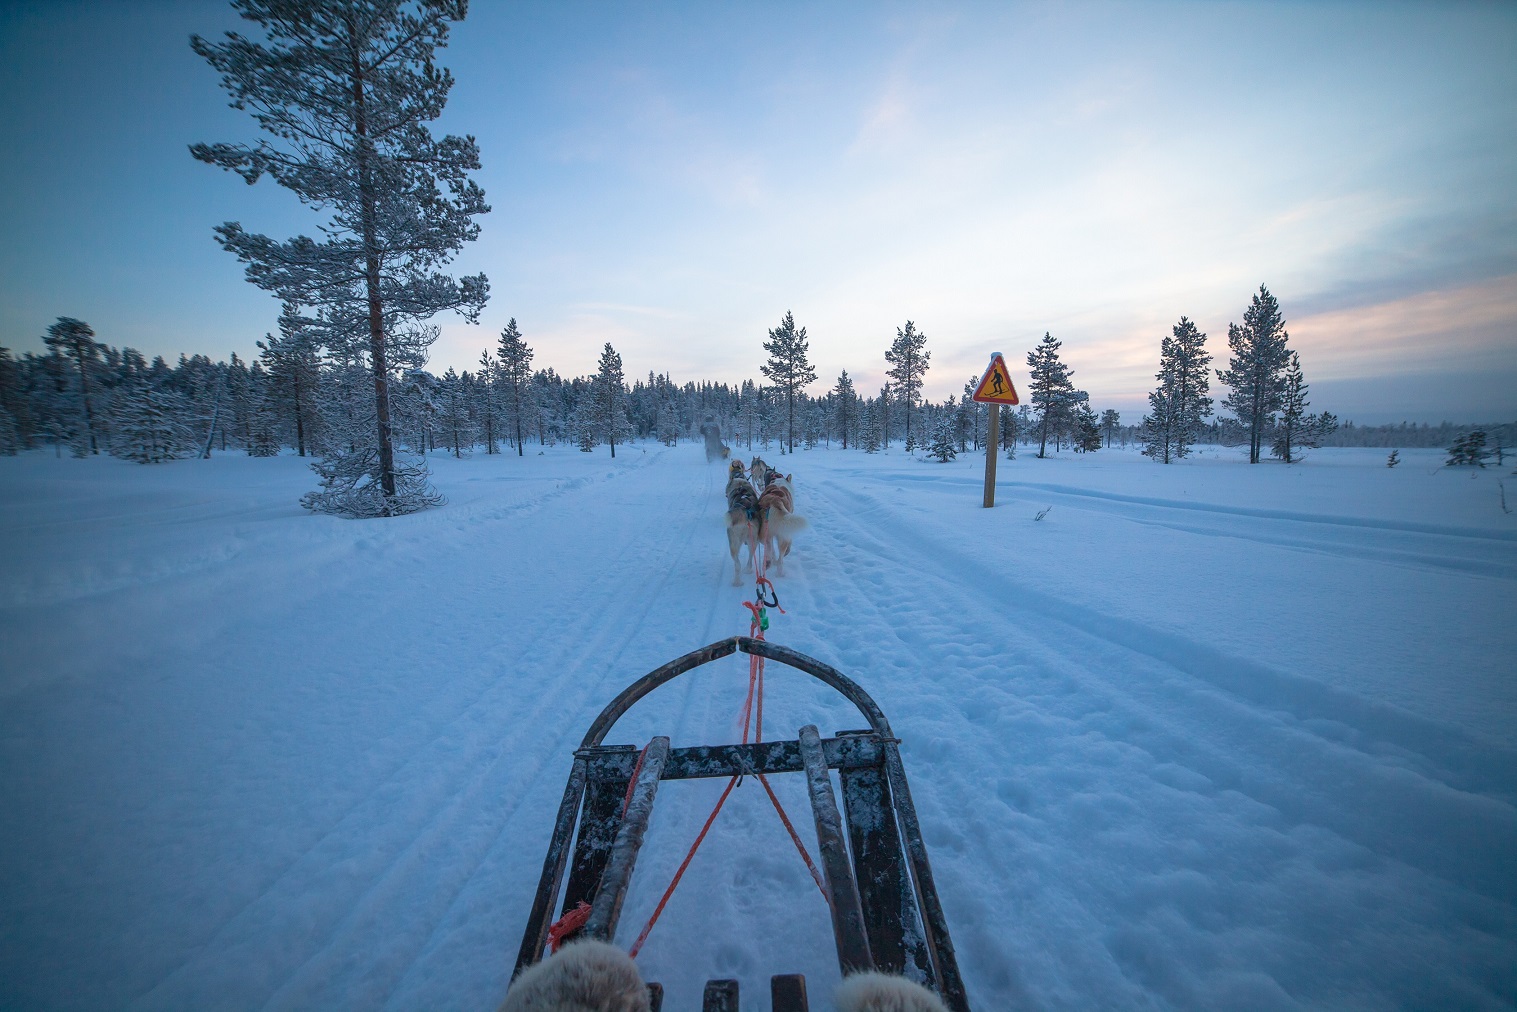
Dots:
pixel 995 386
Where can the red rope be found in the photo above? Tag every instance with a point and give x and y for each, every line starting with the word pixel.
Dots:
pixel 752 713
pixel 643 935
pixel 795 837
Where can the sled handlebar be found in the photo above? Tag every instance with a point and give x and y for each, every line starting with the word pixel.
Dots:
pixel 722 648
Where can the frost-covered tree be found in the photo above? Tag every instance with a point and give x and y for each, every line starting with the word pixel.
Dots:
pixel 1086 431
pixel 585 423
pixel 611 398
pixel 16 422
pixel 1255 370
pixel 1050 388
pixel 485 383
pixel 148 429
pixel 788 367
pixel 944 436
pixel 294 373
pixel 1179 404
pixel 1294 429
pixel 1110 421
pixel 909 359
pixel 453 414
pixel 845 408
pixel 1469 450
pixel 74 341
pixel 516 377
pixel 345 90
pixel 872 426
pixel 668 426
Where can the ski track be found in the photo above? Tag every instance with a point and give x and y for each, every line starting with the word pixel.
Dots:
pixel 1442 548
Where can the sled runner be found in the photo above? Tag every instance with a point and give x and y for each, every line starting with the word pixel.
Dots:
pixel 874 868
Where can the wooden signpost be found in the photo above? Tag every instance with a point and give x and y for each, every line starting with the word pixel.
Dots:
pixel 995 389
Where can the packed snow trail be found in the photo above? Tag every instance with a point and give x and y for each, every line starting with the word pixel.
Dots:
pixel 1205 736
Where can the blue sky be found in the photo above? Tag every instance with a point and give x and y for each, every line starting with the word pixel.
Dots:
pixel 673 178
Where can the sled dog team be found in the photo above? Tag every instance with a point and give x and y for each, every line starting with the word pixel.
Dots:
pixel 592 976
pixel 760 512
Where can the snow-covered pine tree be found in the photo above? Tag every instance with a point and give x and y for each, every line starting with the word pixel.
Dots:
pixel 263 435
pixel 1179 403
pixel 788 368
pixel 909 360
pixel 516 376
pixel 871 426
pixel 584 422
pixel 1111 420
pixel 1469 450
pixel 1254 372
pixel 16 424
pixel 10 433
pixel 845 408
pixel 668 427
pixel 1086 432
pixel 147 427
pixel 1294 427
pixel 1050 388
pixel 345 90
pixel 291 361
pixel 611 402
pixel 485 383
pixel 945 433
pixel 74 341
pixel 453 415
pixel 965 422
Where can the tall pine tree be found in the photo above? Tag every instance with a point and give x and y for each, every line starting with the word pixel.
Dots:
pixel 515 376
pixel 1050 389
pixel 1179 403
pixel 908 357
pixel 345 90
pixel 611 398
pixel 788 367
pixel 74 341
pixel 1255 372
pixel 845 406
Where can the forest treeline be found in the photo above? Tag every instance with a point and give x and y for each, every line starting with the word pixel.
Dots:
pixel 85 396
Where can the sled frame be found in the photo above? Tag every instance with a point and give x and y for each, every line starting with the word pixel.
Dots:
pixel 885 908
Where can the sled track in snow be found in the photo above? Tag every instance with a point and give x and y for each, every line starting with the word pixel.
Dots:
pixel 465 786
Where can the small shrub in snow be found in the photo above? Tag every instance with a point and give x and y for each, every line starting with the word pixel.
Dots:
pixel 1393 459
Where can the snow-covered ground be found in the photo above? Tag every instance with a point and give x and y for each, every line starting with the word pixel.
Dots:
pixel 1205 736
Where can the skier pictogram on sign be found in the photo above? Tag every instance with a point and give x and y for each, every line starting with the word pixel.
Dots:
pixel 995 386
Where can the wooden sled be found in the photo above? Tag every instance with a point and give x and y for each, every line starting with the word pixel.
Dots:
pixel 885 910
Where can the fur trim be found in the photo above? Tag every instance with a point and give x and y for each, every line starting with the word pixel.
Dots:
pixel 880 992
pixel 585 976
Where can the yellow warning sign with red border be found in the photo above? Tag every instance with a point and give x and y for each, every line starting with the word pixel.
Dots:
pixel 995 386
